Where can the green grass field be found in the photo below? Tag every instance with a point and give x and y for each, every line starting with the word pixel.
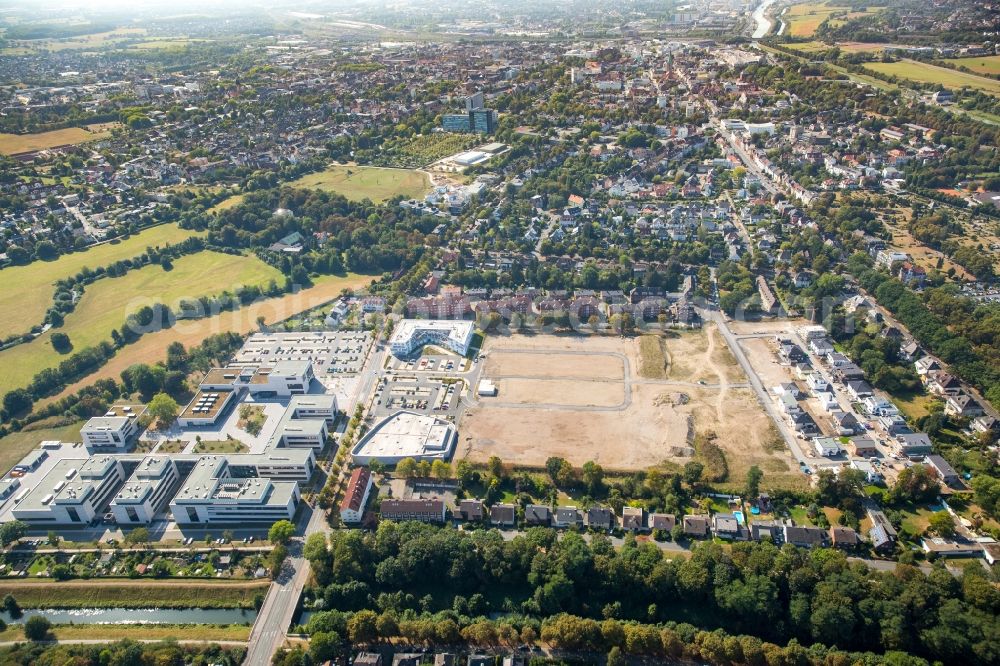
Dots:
pixel 132 593
pixel 980 65
pixel 11 144
pixel 107 302
pixel 360 182
pixel 16 445
pixel 924 73
pixel 69 633
pixel 27 290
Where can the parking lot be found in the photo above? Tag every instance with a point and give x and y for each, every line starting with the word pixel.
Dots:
pixel 428 384
pixel 334 354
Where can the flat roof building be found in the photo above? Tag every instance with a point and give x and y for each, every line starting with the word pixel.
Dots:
pixel 406 435
pixel 147 492
pixel 73 492
pixel 215 493
pixel 412 334
pixel 114 432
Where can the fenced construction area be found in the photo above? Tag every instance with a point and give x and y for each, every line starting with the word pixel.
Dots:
pixel 582 397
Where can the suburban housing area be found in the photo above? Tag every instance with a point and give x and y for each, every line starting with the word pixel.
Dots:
pixel 521 333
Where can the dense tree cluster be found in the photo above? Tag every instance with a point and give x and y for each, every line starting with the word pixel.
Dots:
pixel 378 580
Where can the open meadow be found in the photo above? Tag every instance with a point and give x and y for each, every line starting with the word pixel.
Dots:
pixel 151 347
pixel 110 593
pixel 106 303
pixel 979 64
pixel 27 290
pixel 925 73
pixel 803 19
pixel 12 144
pixel 360 182
pixel 625 403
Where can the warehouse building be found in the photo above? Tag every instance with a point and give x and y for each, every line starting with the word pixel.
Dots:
pixel 406 435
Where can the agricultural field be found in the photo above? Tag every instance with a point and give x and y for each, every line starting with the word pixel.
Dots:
pixel 172 44
pixel 845 47
pixel 624 403
pixel 150 348
pixel 12 144
pixel 925 73
pixel 361 182
pixel 979 65
pixel 96 40
pixel 805 18
pixel 106 303
pixel 27 290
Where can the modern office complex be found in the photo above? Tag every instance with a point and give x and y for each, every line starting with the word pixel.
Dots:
pixel 406 435
pixel 412 334
pixel 479 121
pixel 217 491
pixel 116 431
pixel 72 492
pixel 147 491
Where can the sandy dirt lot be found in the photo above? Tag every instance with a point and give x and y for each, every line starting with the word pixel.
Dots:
pixel 508 363
pixel 702 356
pixel 654 426
pixel 561 392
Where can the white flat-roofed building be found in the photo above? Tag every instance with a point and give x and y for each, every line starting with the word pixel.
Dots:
pixel 212 493
pixel 406 435
pixel 321 406
pixel 147 492
pixel 284 378
pixel 73 492
pixel 114 432
pixel 288 465
pixel 412 334
pixel 305 422
pixel 207 405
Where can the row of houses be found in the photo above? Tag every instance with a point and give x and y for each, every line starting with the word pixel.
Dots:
pixel 632 519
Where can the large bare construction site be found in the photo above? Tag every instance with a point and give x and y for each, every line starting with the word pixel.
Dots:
pixel 626 403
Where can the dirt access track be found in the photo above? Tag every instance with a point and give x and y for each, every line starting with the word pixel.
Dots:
pixel 581 397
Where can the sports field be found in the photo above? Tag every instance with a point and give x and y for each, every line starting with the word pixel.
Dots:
pixel 150 348
pixel 980 65
pixel 924 73
pixel 12 144
pixel 361 182
pixel 27 290
pixel 105 304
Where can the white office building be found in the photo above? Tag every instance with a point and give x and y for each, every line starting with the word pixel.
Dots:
pixel 406 435
pixel 73 492
pixel 114 432
pixel 214 494
pixel 282 379
pixel 412 334
pixel 147 492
